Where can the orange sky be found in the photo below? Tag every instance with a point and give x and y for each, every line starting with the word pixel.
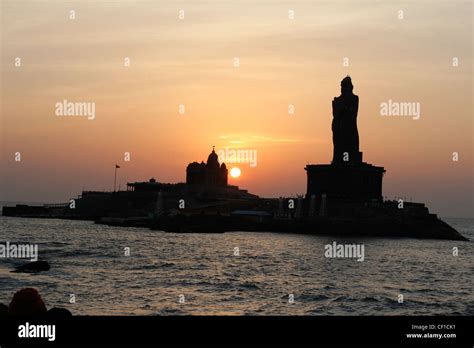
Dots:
pixel 190 61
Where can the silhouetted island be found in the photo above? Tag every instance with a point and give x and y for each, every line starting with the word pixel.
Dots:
pixel 342 198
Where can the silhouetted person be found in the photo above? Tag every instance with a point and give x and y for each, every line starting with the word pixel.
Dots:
pixel 345 135
pixel 27 303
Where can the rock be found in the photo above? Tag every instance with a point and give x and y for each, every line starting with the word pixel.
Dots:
pixel 36 266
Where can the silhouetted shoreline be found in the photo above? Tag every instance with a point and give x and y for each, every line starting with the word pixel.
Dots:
pixel 342 198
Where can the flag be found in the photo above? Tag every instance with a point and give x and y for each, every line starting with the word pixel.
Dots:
pixel 116 166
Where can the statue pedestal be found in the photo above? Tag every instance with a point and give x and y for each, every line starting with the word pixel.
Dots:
pixel 344 183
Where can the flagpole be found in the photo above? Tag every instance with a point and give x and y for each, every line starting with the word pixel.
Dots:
pixel 115 177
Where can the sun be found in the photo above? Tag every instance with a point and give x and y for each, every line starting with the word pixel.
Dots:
pixel 235 172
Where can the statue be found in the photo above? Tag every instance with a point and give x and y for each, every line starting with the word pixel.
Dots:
pixel 344 125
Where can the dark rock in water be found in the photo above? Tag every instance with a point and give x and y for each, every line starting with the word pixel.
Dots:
pixel 31 267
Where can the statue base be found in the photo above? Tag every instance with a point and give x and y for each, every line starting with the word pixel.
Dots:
pixel 360 182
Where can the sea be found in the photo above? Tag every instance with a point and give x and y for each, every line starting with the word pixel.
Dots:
pixel 103 270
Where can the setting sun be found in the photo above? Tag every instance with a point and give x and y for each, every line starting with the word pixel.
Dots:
pixel 235 172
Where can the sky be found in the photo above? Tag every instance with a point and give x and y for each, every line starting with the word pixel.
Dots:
pixel 185 53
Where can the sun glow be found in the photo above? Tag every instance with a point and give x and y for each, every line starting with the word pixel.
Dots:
pixel 235 172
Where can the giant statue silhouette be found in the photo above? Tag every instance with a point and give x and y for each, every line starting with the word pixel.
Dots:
pixel 344 125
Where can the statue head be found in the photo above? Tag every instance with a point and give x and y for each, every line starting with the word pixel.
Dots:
pixel 346 85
